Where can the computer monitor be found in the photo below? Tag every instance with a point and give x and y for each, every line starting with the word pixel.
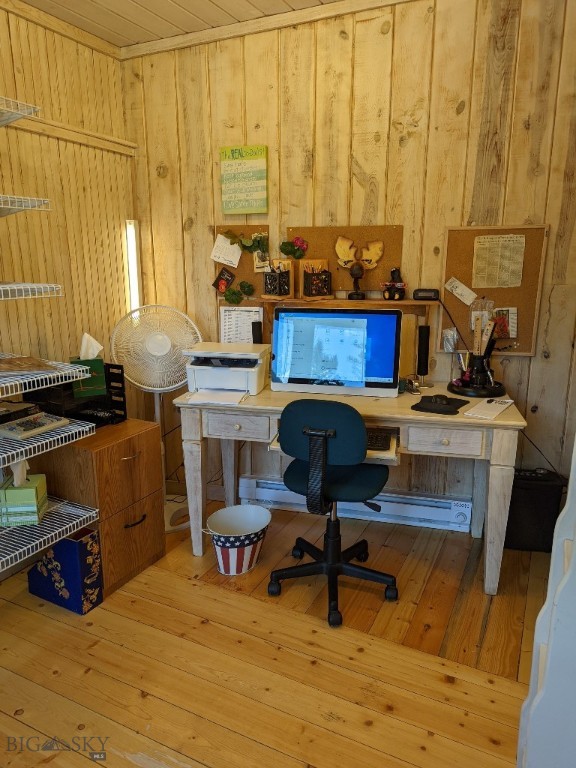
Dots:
pixel 324 350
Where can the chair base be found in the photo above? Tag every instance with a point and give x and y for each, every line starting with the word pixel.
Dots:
pixel 332 561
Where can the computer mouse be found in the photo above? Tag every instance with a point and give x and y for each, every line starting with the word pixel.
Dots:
pixel 440 399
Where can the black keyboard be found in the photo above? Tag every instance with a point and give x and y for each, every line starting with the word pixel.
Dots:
pixel 378 438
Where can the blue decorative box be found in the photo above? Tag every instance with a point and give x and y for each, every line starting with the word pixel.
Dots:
pixel 70 573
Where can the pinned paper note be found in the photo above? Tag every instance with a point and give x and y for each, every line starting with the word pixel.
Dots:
pixel 460 290
pixel 226 252
pixel 506 319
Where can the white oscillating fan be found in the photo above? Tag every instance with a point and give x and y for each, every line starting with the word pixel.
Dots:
pixel 149 342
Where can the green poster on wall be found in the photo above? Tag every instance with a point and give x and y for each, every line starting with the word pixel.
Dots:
pixel 244 180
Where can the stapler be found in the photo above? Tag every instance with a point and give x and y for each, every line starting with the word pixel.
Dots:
pixel 413 386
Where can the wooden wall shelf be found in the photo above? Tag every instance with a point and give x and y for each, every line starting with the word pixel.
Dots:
pixel 418 309
pixel 12 204
pixel 29 290
pixel 11 110
pixel 17 383
pixel 63 518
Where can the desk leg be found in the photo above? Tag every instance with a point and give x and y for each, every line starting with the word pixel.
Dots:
pixel 479 497
pixel 229 452
pixel 195 471
pixel 499 493
pixel 500 482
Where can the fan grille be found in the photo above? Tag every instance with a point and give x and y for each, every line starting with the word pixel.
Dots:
pixel 149 342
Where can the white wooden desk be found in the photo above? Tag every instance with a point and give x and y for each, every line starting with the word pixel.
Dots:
pixel 490 444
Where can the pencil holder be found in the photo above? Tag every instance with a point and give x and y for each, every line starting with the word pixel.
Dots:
pixel 478 368
pixel 477 380
pixel 317 283
pixel 277 283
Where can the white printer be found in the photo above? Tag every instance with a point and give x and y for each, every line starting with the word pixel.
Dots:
pixel 239 367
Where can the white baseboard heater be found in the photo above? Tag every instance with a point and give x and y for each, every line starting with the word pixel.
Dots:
pixel 450 513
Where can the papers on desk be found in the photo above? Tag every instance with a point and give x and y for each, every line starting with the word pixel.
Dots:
pixel 215 396
pixel 488 409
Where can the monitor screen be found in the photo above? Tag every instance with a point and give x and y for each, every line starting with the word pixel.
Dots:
pixel 336 351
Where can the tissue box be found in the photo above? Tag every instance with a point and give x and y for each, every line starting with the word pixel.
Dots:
pixel 96 384
pixel 25 505
pixel 70 573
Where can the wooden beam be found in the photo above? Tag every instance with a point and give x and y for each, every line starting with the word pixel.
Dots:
pixel 75 135
pixel 264 24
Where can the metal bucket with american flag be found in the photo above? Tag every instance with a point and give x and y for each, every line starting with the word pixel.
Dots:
pixel 237 534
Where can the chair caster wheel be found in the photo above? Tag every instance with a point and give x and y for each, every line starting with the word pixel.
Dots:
pixel 334 618
pixel 297 553
pixel 362 557
pixel 390 594
pixel 274 588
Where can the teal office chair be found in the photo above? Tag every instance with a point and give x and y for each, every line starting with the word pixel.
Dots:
pixel 328 442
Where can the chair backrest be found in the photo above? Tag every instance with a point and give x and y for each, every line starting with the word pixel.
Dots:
pixel 346 447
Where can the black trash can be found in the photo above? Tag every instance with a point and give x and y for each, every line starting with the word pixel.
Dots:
pixel 534 508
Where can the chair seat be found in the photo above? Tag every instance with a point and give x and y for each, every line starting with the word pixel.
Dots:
pixel 342 483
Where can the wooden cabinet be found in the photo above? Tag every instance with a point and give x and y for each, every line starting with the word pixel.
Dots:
pixel 119 471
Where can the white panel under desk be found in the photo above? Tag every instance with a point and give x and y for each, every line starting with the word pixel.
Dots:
pixel 447 513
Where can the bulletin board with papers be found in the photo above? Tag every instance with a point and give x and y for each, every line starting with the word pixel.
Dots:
pixel 242 265
pixel 502 265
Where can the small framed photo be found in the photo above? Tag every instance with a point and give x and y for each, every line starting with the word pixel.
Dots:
pixel 261 261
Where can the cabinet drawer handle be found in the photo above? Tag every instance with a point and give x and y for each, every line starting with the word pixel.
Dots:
pixel 445 441
pixel 237 427
pixel 138 522
pixel 130 458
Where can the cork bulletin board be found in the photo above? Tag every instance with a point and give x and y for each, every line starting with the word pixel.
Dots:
pixel 501 264
pixel 245 269
pixel 322 240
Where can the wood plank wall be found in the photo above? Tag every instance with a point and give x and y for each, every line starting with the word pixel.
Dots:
pixel 77 155
pixel 426 113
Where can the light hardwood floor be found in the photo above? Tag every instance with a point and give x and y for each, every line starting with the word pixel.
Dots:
pixel 186 667
pixel 442 608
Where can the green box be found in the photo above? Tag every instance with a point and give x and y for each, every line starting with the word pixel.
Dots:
pixel 25 505
pixel 96 384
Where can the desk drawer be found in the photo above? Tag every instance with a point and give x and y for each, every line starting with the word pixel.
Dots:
pixel 450 442
pixel 237 426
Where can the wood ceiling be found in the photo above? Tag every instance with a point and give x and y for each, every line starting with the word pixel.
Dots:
pixel 131 22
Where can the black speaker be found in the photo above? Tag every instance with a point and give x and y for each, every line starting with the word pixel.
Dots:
pixel 423 350
pixel 534 509
pixel 257 332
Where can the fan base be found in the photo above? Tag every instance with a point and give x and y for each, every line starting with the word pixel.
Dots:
pixel 176 519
